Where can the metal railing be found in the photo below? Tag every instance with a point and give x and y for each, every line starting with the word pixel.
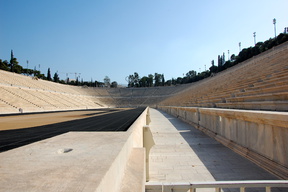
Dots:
pixel 217 185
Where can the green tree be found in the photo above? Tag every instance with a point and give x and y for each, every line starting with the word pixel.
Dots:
pixel 114 84
pixel 150 80
pixel 190 77
pixel 12 62
pixel 56 77
pixel 136 79
pixel 213 69
pixel 4 65
pixel 131 81
pixel 163 80
pixel 179 80
pixel 168 83
pixel 143 82
pixel 107 81
pixel 49 75
pixel 14 67
pixel 157 78
pixel 233 57
pixel 174 81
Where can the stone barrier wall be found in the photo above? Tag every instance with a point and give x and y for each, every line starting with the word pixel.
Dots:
pixel 112 180
pixel 260 136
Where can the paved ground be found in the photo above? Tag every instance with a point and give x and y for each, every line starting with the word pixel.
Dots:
pixel 19 130
pixel 184 154
pixel 41 166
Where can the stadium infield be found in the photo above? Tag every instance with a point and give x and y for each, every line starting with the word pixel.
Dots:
pixel 19 130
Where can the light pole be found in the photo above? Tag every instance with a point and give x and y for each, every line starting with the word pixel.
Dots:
pixel 228 55
pixel 239 46
pixel 274 22
pixel 254 35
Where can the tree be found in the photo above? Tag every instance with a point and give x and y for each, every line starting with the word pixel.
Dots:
pixel 233 57
pixel 114 84
pixel 163 80
pixel 56 77
pixel 12 62
pixel 131 81
pixel 190 76
pixel 179 80
pixel 4 65
pixel 49 75
pixel 14 67
pixel 136 79
pixel 219 61
pixel 213 69
pixel 150 80
pixel 77 81
pixel 143 82
pixel 174 81
pixel 157 78
pixel 168 82
pixel 107 81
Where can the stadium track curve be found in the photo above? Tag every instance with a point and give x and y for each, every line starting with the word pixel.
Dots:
pixel 109 120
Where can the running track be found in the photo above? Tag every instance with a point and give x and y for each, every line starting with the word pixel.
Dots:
pixel 115 120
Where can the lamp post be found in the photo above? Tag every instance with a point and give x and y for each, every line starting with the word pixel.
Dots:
pixel 254 35
pixel 228 55
pixel 274 22
pixel 239 46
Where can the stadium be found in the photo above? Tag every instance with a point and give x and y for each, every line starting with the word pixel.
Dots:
pixel 227 132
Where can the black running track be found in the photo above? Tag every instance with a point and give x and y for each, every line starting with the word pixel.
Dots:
pixel 117 121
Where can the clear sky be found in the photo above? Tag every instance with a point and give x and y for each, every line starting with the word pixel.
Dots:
pixel 116 38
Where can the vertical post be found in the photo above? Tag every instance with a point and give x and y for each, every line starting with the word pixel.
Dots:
pixel 228 55
pixel 268 189
pixel 254 35
pixel 239 46
pixel 274 22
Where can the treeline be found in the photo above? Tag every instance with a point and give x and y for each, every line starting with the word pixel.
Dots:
pixel 192 76
pixel 248 53
pixel 13 66
pixel 147 81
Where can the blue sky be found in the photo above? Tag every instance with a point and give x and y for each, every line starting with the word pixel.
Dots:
pixel 112 38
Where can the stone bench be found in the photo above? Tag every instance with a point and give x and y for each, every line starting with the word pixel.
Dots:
pixel 260 105
pixel 282 96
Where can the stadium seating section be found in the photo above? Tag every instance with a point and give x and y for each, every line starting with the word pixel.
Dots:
pixel 260 83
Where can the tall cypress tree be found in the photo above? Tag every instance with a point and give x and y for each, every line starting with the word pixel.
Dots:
pixel 49 75
pixel 12 61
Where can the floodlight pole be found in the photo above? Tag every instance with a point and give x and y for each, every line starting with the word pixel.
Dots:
pixel 254 35
pixel 228 56
pixel 274 22
pixel 239 46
